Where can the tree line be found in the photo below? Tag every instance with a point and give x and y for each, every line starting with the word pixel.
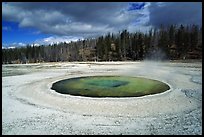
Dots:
pixel 171 43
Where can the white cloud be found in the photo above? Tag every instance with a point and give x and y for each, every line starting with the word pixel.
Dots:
pixel 140 23
pixel 56 39
pixel 21 44
pixel 35 44
pixel 72 19
pixel 12 47
pixel 82 20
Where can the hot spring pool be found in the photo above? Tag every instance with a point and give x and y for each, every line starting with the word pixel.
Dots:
pixel 109 86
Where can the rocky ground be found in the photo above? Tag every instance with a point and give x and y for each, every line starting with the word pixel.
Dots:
pixel 29 106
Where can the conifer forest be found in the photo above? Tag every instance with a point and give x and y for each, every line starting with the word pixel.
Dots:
pixel 164 43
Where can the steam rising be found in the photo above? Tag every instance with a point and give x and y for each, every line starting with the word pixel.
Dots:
pixel 156 55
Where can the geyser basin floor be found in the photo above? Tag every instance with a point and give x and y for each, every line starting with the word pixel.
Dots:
pixel 29 106
pixel 109 86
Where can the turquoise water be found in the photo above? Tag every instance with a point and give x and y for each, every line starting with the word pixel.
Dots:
pixel 107 83
pixel 109 86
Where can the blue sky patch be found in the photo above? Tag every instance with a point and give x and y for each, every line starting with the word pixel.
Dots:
pixel 136 6
pixel 13 34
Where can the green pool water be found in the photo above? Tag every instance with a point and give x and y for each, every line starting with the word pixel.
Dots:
pixel 109 86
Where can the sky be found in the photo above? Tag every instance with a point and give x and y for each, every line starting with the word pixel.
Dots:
pixel 52 22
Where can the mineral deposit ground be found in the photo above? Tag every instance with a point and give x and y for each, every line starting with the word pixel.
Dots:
pixel 30 106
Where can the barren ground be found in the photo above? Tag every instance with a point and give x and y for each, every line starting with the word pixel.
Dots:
pixel 29 106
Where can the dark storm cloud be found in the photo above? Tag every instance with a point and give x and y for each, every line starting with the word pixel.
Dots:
pixel 167 13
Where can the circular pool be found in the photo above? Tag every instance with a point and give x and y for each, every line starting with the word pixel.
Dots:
pixel 109 86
